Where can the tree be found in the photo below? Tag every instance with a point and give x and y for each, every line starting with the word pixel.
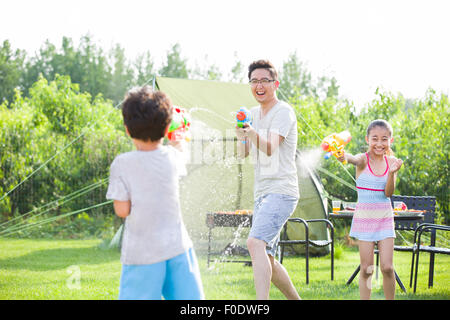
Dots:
pixel 86 65
pixel 296 80
pixel 237 71
pixel 209 72
pixel 56 122
pixel 92 68
pixel 144 69
pixel 122 76
pixel 175 66
pixel 10 70
pixel 40 64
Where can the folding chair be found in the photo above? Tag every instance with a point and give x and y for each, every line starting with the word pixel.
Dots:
pixel 432 249
pixel 308 242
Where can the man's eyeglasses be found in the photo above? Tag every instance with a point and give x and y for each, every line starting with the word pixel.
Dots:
pixel 264 82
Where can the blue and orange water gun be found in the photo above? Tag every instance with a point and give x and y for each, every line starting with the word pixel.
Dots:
pixel 179 127
pixel 334 144
pixel 243 116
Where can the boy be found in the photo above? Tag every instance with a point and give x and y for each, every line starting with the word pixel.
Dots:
pixel 157 255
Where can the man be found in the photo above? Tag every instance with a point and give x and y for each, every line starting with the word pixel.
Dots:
pixel 273 139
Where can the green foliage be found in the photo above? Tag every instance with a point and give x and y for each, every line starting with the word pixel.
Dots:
pixel 54 108
pixel 96 72
pixel 144 67
pixel 87 65
pixel 209 72
pixel 81 136
pixel 420 140
pixel 122 77
pixel 10 70
pixel 238 73
pixel 175 66
pixel 296 80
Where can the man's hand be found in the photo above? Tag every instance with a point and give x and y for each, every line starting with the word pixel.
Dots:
pixel 240 134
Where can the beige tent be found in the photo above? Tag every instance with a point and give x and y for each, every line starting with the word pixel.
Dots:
pixel 216 180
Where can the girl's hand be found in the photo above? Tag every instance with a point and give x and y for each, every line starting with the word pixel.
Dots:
pixel 395 165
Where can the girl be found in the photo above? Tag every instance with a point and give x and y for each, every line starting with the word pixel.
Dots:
pixel 373 220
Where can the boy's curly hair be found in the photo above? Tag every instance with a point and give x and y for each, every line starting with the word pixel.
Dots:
pixel 146 113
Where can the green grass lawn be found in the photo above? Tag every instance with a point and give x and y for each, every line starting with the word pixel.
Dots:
pixel 49 269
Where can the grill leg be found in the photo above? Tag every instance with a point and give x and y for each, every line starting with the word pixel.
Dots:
pixel 209 245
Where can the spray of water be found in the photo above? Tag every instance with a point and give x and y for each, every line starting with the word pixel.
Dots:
pixel 311 158
pixel 198 109
pixel 228 251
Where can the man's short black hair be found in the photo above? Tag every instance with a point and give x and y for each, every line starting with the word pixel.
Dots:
pixel 263 64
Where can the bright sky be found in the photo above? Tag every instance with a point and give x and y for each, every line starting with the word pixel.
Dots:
pixel 399 45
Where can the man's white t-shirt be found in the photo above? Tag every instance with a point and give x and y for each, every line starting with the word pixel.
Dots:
pixel 154 230
pixel 277 173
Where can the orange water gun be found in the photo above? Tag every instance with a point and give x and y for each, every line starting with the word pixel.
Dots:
pixel 334 144
pixel 179 127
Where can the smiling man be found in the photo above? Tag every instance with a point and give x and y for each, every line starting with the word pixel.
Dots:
pixel 273 140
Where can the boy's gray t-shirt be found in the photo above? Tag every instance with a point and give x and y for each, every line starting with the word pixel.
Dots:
pixel 154 230
pixel 277 173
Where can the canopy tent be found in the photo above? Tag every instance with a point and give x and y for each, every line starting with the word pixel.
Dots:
pixel 211 102
pixel 216 181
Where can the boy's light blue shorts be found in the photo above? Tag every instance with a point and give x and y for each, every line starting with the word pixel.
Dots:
pixel 174 279
pixel 269 215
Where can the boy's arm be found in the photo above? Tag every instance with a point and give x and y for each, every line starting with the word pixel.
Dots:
pixel 177 144
pixel 122 208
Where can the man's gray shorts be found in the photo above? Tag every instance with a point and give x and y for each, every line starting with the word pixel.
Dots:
pixel 269 215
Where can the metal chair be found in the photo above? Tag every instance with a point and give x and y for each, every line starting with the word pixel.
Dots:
pixel 427 203
pixel 307 242
pixel 432 249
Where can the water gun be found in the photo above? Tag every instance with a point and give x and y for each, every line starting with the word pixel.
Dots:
pixel 334 144
pixel 243 116
pixel 179 127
